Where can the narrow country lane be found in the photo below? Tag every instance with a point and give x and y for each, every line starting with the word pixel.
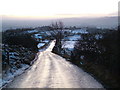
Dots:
pixel 53 71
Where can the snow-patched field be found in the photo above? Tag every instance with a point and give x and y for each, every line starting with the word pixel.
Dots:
pixel 73 37
pixel 53 71
pixel 69 41
pixel 82 31
pixel 68 44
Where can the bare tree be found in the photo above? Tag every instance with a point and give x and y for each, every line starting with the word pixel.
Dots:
pixel 58 34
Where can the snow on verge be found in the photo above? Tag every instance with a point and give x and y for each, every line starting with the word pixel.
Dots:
pixel 9 76
pixel 40 45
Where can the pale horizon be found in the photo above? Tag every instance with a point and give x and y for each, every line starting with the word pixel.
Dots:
pixel 50 9
pixel 35 13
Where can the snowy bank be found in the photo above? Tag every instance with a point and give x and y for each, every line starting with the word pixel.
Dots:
pixel 12 73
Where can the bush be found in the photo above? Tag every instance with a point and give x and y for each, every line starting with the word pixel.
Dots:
pixel 99 56
pixel 18 48
pixel 24 40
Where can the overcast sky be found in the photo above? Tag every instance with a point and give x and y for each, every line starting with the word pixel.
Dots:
pixel 58 8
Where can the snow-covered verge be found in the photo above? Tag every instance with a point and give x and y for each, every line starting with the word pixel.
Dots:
pixel 15 60
pixel 43 43
pixel 40 45
pixel 10 75
pixel 15 71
